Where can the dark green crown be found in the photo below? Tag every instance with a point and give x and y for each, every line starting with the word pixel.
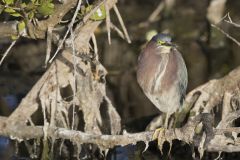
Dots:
pixel 162 39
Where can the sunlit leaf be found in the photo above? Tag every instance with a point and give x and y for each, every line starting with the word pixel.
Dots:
pixel 1 8
pixel 16 14
pixel 8 1
pixel 12 12
pixel 23 5
pixel 100 14
pixel 46 8
pixel 14 37
pixel 30 6
pixel 31 15
pixel 9 10
pixel 88 9
pixel 21 26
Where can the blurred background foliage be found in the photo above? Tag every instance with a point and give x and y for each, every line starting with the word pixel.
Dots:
pixel 207 52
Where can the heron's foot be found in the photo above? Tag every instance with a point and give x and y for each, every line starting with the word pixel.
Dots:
pixel 159 134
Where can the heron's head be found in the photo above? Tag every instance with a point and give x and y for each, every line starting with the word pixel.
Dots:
pixel 162 39
pixel 162 42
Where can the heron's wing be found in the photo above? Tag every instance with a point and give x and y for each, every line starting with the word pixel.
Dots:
pixel 182 76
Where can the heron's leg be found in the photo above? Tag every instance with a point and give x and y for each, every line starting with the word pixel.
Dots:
pixel 159 132
pixel 166 120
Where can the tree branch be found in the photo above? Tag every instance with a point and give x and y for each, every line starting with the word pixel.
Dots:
pixel 186 134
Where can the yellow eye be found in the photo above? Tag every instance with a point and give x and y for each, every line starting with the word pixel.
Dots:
pixel 160 42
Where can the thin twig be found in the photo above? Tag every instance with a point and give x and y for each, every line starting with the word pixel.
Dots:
pixel 230 21
pixel 226 34
pixel 87 16
pixel 108 23
pixel 69 27
pixel 153 17
pixel 233 23
pixel 119 32
pixel 156 12
pixel 49 44
pixel 226 15
pixel 95 48
pixel 74 75
pixel 121 23
pixel 7 51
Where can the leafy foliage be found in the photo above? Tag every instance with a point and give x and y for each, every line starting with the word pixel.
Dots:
pixel 46 7
pixel 8 1
pixel 26 10
pixel 100 13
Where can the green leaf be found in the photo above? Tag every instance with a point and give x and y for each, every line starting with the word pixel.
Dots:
pixel 9 10
pixel 1 8
pixel 88 9
pixel 14 37
pixel 21 26
pixel 23 5
pixel 100 14
pixel 46 8
pixel 82 12
pixel 12 12
pixel 30 7
pixel 8 1
pixel 31 15
pixel 16 14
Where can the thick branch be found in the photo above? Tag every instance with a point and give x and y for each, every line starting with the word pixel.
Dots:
pixel 217 142
pixel 186 134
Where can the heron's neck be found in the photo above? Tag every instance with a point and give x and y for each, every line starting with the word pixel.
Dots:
pixel 165 49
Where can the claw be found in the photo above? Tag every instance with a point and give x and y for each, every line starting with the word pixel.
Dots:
pixel 159 134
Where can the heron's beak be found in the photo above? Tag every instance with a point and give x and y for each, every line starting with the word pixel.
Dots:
pixel 168 44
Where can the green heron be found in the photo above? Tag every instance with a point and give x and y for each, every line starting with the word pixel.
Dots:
pixel 162 74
